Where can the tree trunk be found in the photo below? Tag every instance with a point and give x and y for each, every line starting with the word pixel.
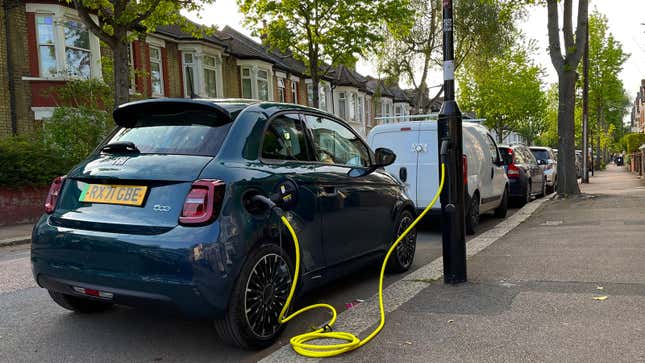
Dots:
pixel 121 73
pixel 567 181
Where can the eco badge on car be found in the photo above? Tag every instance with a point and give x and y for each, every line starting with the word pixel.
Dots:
pixel 161 208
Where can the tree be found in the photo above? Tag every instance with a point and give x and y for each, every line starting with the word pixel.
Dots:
pixel 324 33
pixel 507 91
pixel 482 28
pixel 565 65
pixel 122 20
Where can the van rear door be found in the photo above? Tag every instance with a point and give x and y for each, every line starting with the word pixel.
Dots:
pixel 428 164
pixel 401 140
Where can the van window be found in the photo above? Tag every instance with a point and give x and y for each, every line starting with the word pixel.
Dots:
pixel 492 147
pixel 336 144
pixel 284 139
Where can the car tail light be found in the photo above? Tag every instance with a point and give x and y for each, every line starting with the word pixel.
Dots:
pixel 203 202
pixel 513 171
pixel 54 192
pixel 464 163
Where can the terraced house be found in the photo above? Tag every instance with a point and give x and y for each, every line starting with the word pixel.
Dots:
pixel 44 44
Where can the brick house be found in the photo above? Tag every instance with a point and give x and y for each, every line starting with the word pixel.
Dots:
pixel 44 44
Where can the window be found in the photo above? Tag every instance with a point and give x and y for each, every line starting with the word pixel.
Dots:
pixel 46 45
pixel 310 95
pixel 281 90
pixel 361 105
pixel 247 92
pixel 335 143
pixel 285 139
pixel 493 149
pixel 294 91
pixel 189 74
pixel 263 84
pixel 322 98
pixel 352 106
pixel 77 49
pixel 156 71
pixel 342 105
pixel 210 76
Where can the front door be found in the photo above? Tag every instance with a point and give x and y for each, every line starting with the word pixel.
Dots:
pixel 354 210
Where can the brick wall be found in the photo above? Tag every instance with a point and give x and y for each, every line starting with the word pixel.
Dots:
pixel 231 78
pixel 16 18
pixel 175 83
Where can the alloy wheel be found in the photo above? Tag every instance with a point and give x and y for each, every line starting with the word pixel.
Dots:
pixel 266 292
pixel 405 249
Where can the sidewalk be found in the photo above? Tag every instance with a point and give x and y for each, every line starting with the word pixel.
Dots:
pixel 14 235
pixel 568 284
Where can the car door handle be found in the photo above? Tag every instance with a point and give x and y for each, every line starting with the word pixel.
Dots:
pixel 329 192
pixel 492 172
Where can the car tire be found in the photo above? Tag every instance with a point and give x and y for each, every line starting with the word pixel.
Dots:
pixel 248 304
pixel 80 304
pixel 502 209
pixel 472 215
pixel 403 256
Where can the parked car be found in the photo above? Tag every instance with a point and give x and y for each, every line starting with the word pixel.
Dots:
pixel 159 214
pixel 619 160
pixel 548 162
pixel 417 166
pixel 525 177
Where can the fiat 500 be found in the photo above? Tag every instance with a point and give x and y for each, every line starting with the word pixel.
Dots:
pixel 159 213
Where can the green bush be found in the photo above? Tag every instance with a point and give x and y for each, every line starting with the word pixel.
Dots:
pixel 28 161
pixel 75 132
pixel 632 142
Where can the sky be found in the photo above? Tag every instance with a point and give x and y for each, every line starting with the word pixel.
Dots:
pixel 624 17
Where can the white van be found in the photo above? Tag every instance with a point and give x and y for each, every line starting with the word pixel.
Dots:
pixel 417 166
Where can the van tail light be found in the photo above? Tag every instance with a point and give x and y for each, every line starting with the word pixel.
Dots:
pixel 203 202
pixel 513 171
pixel 464 163
pixel 52 195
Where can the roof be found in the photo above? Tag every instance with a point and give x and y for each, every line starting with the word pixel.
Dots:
pixel 176 32
pixel 399 94
pixel 344 76
pixel 377 86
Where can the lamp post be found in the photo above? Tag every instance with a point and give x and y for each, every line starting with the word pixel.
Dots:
pixel 585 111
pixel 450 149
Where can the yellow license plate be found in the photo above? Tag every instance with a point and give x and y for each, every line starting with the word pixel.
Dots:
pixel 114 194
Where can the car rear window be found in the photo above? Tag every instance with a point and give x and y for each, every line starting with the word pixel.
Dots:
pixel 506 157
pixel 184 133
pixel 540 154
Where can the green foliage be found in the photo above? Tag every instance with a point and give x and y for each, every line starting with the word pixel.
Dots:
pixel 323 32
pixel 28 161
pixel 632 142
pixel 507 91
pixel 75 132
pixel 89 93
pixel 482 28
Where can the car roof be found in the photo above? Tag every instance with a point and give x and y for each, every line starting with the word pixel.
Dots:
pixel 226 109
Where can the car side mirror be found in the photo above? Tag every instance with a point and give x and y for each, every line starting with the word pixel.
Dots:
pixel 384 157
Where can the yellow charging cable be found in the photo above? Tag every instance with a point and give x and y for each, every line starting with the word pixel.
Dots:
pixel 300 342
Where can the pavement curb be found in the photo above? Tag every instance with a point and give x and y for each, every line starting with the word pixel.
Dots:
pixel 365 315
pixel 14 241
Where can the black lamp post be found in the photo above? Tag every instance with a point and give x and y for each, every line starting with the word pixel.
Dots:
pixel 450 149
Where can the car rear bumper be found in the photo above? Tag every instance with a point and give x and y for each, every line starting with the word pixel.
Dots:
pixel 516 188
pixel 179 269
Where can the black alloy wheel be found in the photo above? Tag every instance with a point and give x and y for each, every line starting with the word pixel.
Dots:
pixel 260 292
pixel 403 255
pixel 472 215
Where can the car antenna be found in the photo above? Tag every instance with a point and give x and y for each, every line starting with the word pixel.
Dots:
pixel 193 95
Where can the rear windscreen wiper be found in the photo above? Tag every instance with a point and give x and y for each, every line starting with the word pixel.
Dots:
pixel 120 146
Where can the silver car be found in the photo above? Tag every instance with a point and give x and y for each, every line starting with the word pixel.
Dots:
pixel 548 162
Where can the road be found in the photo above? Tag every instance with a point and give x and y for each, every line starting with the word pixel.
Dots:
pixel 33 328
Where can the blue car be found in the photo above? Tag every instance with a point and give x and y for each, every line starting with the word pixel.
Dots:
pixel 161 214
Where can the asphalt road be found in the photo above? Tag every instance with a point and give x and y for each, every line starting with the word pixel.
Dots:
pixel 33 328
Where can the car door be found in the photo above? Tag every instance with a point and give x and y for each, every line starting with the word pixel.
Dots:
pixel 355 211
pixel 286 153
pixel 537 176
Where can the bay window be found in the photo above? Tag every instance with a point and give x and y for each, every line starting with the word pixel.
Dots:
pixel 322 97
pixel 263 84
pixel 342 105
pixel 294 91
pixel 310 94
pixel 210 76
pixel 256 81
pixel 281 90
pixel 156 71
pixel 352 106
pixel 65 48
pixel 189 74
pixel 247 91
